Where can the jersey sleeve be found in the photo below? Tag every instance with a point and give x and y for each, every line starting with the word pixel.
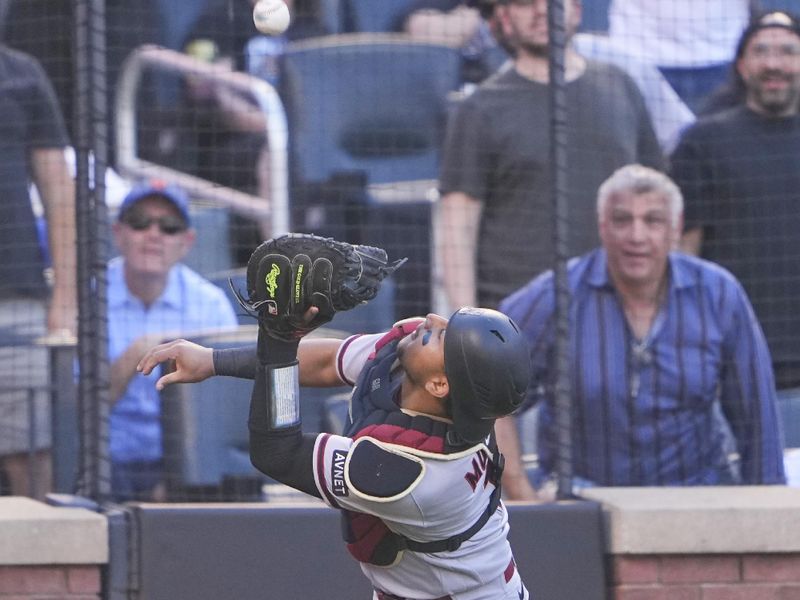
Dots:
pixel 328 463
pixel 330 459
pixel 356 350
pixel 353 354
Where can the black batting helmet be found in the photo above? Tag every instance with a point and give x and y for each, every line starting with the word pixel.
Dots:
pixel 487 364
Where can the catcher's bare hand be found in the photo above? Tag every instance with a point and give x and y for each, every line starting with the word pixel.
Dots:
pixel 192 362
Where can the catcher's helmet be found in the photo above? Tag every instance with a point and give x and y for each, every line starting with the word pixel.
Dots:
pixel 487 364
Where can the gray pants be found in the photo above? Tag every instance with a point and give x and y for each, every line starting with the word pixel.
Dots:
pixel 24 377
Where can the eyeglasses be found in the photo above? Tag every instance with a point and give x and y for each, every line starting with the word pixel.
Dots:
pixel 168 224
pixel 762 51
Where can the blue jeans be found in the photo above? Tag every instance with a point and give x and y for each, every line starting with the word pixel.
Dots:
pixel 135 480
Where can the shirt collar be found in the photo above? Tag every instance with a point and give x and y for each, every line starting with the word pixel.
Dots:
pixel 680 276
pixel 119 294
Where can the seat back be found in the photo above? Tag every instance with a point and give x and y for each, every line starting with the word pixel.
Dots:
pixel 374 15
pixel 374 104
pixel 594 16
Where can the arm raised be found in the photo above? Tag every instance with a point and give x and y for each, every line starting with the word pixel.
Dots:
pixel 194 363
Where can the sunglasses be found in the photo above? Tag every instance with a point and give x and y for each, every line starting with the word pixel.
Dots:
pixel 168 224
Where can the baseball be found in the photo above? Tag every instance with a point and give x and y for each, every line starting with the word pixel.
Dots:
pixel 271 16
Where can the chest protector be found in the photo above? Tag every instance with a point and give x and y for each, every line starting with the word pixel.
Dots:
pixel 375 413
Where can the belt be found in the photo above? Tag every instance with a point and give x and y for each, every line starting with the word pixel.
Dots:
pixel 386 596
pixel 507 574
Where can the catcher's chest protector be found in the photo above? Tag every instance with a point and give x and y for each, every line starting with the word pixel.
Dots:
pixel 375 414
pixel 375 390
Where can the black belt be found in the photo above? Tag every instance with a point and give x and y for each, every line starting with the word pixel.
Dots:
pixel 386 596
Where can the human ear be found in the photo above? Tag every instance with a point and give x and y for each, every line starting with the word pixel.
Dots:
pixel 438 386
pixel 187 241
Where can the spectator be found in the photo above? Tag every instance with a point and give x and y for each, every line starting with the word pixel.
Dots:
pixel 691 41
pixel 229 128
pixel 32 143
pixel 150 295
pixel 465 24
pixel 495 177
pixel 660 342
pixel 449 22
pixel 733 91
pixel 738 170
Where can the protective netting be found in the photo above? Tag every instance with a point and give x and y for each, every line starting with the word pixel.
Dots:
pixel 470 136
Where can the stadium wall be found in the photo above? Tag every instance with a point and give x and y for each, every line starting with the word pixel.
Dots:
pixel 48 552
pixel 720 543
pixel 732 543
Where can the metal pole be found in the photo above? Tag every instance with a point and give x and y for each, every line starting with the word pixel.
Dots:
pixel 558 166
pixel 91 149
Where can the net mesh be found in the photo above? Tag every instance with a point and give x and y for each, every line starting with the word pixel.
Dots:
pixel 434 133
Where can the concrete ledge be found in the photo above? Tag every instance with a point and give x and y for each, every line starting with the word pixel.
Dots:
pixel 700 520
pixel 33 533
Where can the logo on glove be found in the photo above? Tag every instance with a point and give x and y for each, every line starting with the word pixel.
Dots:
pixel 298 280
pixel 272 279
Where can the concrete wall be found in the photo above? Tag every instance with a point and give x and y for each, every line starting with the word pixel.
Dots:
pixel 723 543
pixel 736 543
pixel 50 553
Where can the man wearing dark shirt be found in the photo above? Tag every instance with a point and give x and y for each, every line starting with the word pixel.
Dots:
pixel 740 175
pixel 32 143
pixel 496 211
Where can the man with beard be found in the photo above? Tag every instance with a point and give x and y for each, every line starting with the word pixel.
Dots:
pixel 496 211
pixel 739 171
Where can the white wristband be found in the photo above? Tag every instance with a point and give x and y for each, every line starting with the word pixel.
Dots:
pixel 284 396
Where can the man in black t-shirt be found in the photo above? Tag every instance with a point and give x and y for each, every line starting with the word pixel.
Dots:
pixel 32 143
pixel 496 209
pixel 739 171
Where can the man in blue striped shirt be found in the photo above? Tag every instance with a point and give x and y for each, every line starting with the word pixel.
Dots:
pixel 657 339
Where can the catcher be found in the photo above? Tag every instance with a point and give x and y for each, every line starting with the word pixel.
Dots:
pixel 417 476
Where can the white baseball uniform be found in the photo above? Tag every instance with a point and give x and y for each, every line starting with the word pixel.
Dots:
pixel 448 494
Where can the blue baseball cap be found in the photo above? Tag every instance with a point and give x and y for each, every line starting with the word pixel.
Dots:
pixel 172 193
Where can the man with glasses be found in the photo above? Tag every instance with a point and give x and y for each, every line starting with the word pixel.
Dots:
pixel 739 171
pixel 151 296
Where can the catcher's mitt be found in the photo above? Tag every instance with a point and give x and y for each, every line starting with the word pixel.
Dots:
pixel 289 274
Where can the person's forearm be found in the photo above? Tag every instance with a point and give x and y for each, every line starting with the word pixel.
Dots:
pixel 316 355
pixel 121 372
pixel 277 445
pixel 57 190
pixel 123 368
pixel 515 480
pixel 458 236
pixel 236 362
